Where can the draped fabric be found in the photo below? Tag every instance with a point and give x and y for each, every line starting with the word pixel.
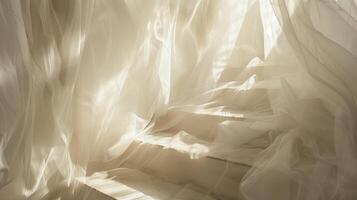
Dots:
pixel 270 84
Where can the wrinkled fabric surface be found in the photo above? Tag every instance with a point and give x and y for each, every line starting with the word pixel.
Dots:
pixel 271 84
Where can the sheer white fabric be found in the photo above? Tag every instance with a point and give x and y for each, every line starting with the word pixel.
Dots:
pixel 268 84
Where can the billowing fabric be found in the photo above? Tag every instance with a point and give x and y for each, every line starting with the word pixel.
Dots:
pixel 271 84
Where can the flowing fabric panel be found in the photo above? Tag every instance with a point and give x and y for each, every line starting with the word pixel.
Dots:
pixel 269 85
